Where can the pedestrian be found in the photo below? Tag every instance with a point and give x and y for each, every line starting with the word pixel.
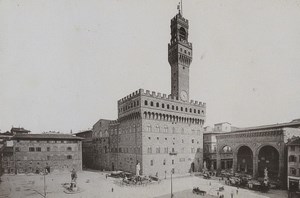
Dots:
pixel 232 194
pixel 106 176
pixel 237 190
pixel 112 189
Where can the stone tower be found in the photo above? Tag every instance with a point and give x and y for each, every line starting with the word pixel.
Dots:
pixel 180 57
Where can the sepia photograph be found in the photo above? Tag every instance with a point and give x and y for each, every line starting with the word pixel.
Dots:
pixel 150 99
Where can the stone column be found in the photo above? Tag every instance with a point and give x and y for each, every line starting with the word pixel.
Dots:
pixel 234 162
pixel 218 161
pixel 281 166
pixel 255 165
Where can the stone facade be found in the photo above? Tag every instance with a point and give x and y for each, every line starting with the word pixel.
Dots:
pixel 87 149
pixel 101 146
pixel 32 153
pixel 210 146
pixel 160 132
pixel 256 148
pixel 293 167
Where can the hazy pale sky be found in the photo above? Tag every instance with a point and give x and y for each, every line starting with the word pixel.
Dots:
pixel 64 64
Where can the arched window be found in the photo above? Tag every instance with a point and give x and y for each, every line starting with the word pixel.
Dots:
pixel 292 158
pixel 227 149
pixel 168 106
pixel 163 105
pixel 182 34
pixel 149 128
pixel 146 102
pixel 173 130
pixel 151 104
pixel 293 171
pixel 166 129
pixel 157 104
pixel 157 128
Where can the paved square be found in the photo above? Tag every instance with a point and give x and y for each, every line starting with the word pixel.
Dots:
pixel 95 184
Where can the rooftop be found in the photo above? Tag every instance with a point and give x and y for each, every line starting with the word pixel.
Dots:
pixel 19 130
pixel 82 132
pixel 222 123
pixel 46 136
pixel 295 141
pixel 293 124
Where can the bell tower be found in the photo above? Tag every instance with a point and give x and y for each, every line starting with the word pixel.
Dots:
pixel 180 53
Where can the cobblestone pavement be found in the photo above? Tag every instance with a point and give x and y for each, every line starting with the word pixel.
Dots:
pixel 94 184
pixel 4 188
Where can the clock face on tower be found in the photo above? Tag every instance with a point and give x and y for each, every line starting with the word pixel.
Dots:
pixel 183 95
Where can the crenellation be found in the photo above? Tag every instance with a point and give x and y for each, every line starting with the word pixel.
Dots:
pixel 130 96
pixel 169 97
pixel 153 94
pixel 141 91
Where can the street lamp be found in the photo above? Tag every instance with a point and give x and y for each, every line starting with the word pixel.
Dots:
pixel 172 172
pixel 45 187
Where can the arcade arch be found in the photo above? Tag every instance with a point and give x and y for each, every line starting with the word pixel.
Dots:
pixel 245 160
pixel 268 157
pixel 227 161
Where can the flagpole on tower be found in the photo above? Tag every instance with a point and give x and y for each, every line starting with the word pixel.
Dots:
pixel 181 7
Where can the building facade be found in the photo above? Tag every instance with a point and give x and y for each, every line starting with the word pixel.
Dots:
pixel 159 132
pixel 293 167
pixel 87 149
pixel 210 146
pixel 33 153
pixel 253 149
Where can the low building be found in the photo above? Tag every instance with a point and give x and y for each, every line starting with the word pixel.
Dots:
pixel 4 137
pixel 293 171
pixel 33 153
pixel 210 145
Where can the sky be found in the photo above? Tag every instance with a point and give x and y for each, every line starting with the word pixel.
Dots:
pixel 65 64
